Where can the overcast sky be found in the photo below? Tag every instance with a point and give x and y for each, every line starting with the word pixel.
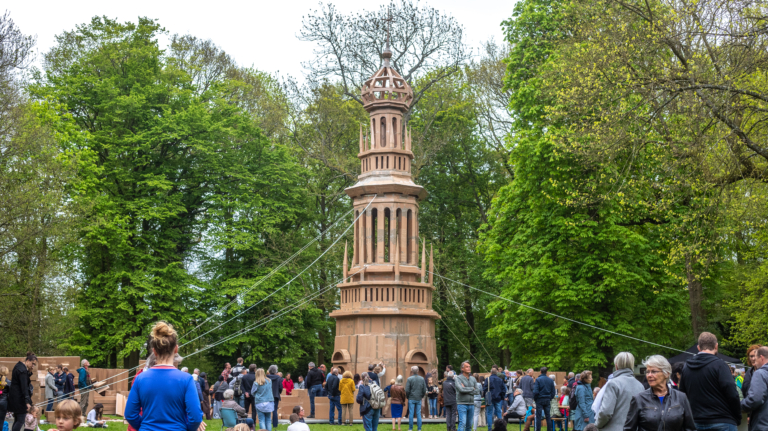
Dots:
pixel 256 33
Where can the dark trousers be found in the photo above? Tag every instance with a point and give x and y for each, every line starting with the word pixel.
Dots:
pixel 542 406
pixel 513 415
pixel 250 405
pixel 450 417
pixel 274 413
pixel 18 421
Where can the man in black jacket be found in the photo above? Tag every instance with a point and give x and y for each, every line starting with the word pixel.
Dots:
pixel 543 392
pixel 334 395
pixel 246 384
pixel 707 382
pixel 315 380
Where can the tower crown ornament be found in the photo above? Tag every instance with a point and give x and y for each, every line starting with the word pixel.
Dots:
pixel 386 88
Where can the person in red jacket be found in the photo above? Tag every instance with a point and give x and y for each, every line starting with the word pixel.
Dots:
pixel 288 384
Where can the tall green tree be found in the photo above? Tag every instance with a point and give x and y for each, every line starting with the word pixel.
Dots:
pixel 174 164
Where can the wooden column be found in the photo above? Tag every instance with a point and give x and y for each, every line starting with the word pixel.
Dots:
pixel 380 234
pixel 414 257
pixel 392 233
pixel 355 241
pixel 403 233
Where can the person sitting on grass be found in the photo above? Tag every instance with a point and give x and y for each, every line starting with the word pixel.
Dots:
pixel 67 414
pixel 94 417
pixel 299 410
pixel 296 425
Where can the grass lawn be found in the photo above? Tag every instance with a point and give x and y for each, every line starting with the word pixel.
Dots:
pixel 215 425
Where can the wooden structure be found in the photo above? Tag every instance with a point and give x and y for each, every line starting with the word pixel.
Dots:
pixel 385 312
pixel 106 395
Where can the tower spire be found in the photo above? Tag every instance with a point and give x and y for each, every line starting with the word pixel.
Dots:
pixel 387 54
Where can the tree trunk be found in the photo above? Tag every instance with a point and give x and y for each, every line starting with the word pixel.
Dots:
pixel 470 315
pixel 695 298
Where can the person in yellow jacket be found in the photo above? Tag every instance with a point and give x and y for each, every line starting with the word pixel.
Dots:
pixel 347 388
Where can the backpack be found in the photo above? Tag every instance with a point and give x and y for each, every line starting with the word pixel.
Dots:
pixel 573 401
pixel 238 390
pixel 378 397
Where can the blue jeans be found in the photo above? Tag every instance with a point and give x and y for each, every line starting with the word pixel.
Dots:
pixel 367 420
pixel 466 416
pixel 433 406
pixel 490 410
pixel 240 401
pixel 49 407
pixel 375 415
pixel 414 408
pixel 313 392
pixel 716 427
pixel 335 405
pixel 265 420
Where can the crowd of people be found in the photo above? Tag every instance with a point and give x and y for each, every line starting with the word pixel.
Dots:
pixel 700 394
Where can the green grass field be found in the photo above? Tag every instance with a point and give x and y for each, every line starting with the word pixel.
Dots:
pixel 215 425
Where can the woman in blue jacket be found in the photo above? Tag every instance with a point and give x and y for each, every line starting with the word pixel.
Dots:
pixel 583 415
pixel 263 399
pixel 163 398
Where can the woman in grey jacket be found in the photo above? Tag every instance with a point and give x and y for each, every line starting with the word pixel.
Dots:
pixel 618 393
pixel 659 407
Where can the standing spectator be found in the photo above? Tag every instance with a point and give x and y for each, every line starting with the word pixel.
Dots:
pixel 277 389
pixel 315 382
pixel 707 382
pixel 543 392
pixel 237 370
pixel 288 384
pixel 20 394
pixel 375 372
pixel 218 396
pixel 526 384
pixel 494 389
pixel 300 383
pixel 199 389
pixel 583 414
pixel 4 386
pixel 432 392
pixel 347 397
pixel 83 382
pixel 164 398
pixel 205 387
pixel 263 399
pixel 510 383
pixel 50 389
pixel 466 387
pixel 69 383
pixel 59 378
pixel 397 392
pixel 415 389
pixel 334 395
pixel 576 381
pixel 571 379
pixel 659 407
pixel 358 380
pixel 751 356
pixel 246 385
pixel 449 400
pixel 756 401
pixel 478 401
pixel 364 399
pixel 618 393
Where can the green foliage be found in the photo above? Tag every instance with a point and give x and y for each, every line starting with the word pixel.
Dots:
pixel 177 173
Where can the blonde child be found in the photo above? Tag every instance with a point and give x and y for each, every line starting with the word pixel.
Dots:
pixel 33 416
pixel 67 414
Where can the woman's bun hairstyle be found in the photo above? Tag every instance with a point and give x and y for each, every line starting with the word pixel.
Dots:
pixel 163 339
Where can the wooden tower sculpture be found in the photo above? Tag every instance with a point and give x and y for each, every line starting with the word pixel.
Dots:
pixel 385 309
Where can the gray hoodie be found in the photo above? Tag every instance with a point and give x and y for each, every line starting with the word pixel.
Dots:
pixel 756 401
pixel 617 394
